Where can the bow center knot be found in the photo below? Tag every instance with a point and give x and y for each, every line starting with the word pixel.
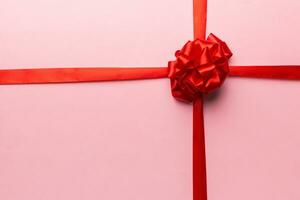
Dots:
pixel 201 66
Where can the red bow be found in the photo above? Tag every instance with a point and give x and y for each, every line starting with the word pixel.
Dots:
pixel 201 67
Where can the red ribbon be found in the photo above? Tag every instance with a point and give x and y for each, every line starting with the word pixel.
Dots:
pixel 201 67
pixel 77 75
pixel 285 72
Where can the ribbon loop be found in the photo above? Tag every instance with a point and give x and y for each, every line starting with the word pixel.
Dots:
pixel 201 66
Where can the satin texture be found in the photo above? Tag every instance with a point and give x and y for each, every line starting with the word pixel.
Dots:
pixel 199 18
pixel 76 75
pixel 287 72
pixel 199 155
pixel 201 67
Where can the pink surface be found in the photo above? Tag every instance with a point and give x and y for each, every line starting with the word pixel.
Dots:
pixel 132 140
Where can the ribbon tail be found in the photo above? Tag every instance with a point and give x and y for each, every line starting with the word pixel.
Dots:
pixel 199 158
pixel 287 72
pixel 76 75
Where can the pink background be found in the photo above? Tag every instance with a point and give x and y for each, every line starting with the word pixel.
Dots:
pixel 132 140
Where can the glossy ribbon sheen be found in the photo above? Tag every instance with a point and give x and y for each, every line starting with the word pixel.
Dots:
pixel 77 75
pixel 201 67
pixel 285 72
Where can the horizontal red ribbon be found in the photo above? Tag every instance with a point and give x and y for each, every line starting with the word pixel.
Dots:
pixel 75 75
pixel 288 72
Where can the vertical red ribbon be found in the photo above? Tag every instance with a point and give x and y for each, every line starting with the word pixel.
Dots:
pixel 199 158
pixel 200 13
